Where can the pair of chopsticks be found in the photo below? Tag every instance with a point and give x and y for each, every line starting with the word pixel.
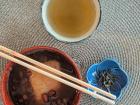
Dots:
pixel 40 67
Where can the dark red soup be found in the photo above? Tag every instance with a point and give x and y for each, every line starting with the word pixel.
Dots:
pixel 27 87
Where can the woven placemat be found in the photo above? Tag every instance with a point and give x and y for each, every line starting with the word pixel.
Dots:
pixel 117 37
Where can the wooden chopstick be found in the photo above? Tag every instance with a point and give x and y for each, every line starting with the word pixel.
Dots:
pixel 93 94
pixel 58 72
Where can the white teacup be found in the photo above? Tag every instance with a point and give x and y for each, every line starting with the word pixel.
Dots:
pixel 58 36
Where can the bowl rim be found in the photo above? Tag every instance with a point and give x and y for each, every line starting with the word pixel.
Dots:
pixel 58 36
pixel 4 87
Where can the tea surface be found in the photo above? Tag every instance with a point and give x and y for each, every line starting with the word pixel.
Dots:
pixel 71 18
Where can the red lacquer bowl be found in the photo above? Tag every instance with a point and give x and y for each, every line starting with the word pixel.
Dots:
pixel 5 77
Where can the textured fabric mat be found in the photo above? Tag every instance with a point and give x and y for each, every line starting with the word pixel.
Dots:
pixel 117 37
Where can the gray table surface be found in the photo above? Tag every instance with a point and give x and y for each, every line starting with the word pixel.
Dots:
pixel 117 37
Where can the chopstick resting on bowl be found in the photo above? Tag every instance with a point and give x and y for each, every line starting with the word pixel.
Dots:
pixel 39 67
pixel 58 72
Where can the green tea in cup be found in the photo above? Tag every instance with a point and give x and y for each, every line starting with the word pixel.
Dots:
pixel 70 20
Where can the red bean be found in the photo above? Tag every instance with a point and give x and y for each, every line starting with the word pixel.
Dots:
pixel 29 73
pixel 52 93
pixel 14 88
pixel 21 100
pixel 45 97
pixel 25 97
pixel 64 101
pixel 21 74
pixel 59 101
pixel 52 98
